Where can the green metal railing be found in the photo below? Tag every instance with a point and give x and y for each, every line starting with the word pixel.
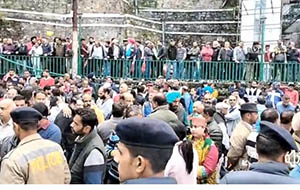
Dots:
pixel 57 66
pixel 150 70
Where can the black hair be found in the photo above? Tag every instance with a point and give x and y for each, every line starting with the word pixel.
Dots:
pixel 32 38
pixel 42 108
pixel 286 117
pixel 107 90
pixel 47 88
pixel 158 158
pixel 39 92
pixel 261 99
pixel 160 99
pixel 56 92
pixel 269 147
pixel 117 110
pixel 88 117
pixel 209 110
pixel 186 147
pixel 18 97
pixel 28 125
pixel 270 115
pixel 140 89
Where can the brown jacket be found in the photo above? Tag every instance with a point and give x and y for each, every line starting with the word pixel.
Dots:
pixel 35 161
pixel 237 151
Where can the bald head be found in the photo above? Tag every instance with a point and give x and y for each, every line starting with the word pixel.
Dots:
pixel 127 99
pixel 198 107
pixel 6 106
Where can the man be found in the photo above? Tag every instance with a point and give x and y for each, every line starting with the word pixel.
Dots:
pixel 253 92
pixel 219 117
pixel 105 101
pixel 188 102
pixel 252 58
pixel 172 55
pixel 237 154
pixel 286 118
pixel 20 101
pixel 275 94
pixel 123 89
pixel 6 123
pixel 145 148
pixel 270 115
pixel 292 93
pixel 105 129
pixel 214 130
pixel 239 57
pixel 198 108
pixel 47 129
pixel 87 162
pixel 161 109
pixel 11 77
pixel 47 80
pixel 88 102
pixel 180 57
pixel 293 60
pixel 207 99
pixel 285 105
pixel 27 79
pixel 233 117
pixel 34 160
pixel 273 143
pixel 11 93
pixel 40 97
pixel 127 99
pixel 173 99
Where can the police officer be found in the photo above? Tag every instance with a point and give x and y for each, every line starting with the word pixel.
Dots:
pixel 145 148
pixel 34 160
pixel 273 142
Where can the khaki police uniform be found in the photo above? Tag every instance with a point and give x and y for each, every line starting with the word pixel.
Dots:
pixel 35 161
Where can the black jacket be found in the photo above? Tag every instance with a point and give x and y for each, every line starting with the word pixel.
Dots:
pixel 172 53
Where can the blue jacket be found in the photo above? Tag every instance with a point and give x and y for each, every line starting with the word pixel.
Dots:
pixel 261 173
pixel 52 133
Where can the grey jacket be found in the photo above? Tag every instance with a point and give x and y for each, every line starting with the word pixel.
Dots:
pixel 215 134
pixel 261 173
pixel 163 113
pixel 105 128
pixel 6 145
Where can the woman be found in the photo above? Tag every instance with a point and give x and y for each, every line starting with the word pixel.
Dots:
pixel 206 149
pixel 183 164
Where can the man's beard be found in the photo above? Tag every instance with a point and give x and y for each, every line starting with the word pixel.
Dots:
pixel 102 97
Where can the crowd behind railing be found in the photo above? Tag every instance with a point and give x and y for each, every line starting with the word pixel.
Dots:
pixel 136 59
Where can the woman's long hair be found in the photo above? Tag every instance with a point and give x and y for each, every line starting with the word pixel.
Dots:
pixel 186 151
pixel 186 147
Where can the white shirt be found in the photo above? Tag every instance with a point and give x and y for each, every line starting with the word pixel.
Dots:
pixel 176 167
pixel 6 130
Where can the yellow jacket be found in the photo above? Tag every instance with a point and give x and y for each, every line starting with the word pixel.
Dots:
pixel 35 161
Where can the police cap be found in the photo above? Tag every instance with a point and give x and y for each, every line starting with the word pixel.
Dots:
pixel 147 133
pixel 277 133
pixel 25 114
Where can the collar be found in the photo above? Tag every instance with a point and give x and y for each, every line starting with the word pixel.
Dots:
pixel 82 141
pixel 9 123
pixel 44 124
pixel 271 167
pixel 164 107
pixel 250 127
pixel 116 118
pixel 30 138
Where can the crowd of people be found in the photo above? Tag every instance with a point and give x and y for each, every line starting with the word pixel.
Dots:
pixel 84 131
pixel 137 56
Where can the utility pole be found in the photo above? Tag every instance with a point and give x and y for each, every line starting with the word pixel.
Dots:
pixel 75 39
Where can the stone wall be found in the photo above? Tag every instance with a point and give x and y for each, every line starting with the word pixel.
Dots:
pixel 19 29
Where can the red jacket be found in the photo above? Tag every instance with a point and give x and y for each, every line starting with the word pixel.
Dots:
pixel 207 53
pixel 47 82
